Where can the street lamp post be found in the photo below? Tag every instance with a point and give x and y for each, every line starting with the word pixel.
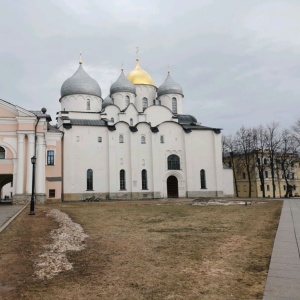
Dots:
pixel 33 161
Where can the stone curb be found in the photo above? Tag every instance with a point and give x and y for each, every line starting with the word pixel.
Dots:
pixel 12 218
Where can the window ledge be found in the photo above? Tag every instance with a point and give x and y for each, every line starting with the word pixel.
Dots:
pixel 89 190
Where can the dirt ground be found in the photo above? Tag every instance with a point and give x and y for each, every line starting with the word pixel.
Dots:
pixel 145 250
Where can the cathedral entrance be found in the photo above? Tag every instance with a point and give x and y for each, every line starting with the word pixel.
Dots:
pixel 172 187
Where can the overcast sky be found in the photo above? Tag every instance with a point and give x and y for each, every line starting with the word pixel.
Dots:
pixel 238 62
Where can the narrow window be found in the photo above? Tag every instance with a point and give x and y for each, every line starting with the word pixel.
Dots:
pixel 122 180
pixel 173 162
pixel 162 139
pixel 88 104
pixel 294 188
pixel 112 120
pixel 127 100
pixel 268 187
pixel 2 153
pixel 51 193
pixel 131 122
pixel 50 157
pixel 202 179
pixel 258 161
pixel 143 139
pixel 284 187
pixel 244 175
pixel 154 102
pixel 261 188
pixel 89 180
pixel 292 175
pixel 282 176
pixel 99 139
pixel 145 103
pixel 174 105
pixel 144 180
pixel 266 174
pixel 121 138
pixel 265 161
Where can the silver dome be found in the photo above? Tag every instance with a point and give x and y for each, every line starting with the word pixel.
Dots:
pixel 80 83
pixel 107 101
pixel 169 87
pixel 122 85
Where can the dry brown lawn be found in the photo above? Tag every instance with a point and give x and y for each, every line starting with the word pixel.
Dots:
pixel 145 250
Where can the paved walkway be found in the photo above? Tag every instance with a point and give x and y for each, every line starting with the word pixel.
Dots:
pixel 283 280
pixel 7 214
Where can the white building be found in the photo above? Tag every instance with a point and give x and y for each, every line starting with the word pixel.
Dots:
pixel 136 143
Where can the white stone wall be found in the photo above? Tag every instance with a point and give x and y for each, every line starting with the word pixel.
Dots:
pixel 147 91
pixel 78 158
pixel 80 103
pixel 120 99
pixel 166 100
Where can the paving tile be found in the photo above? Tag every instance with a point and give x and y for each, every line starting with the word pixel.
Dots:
pixel 292 274
pixel 283 281
pixel 283 266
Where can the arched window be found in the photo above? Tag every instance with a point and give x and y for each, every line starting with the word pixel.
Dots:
pixel 145 103
pixel 143 139
pixel 127 100
pixel 144 180
pixel 121 138
pixel 174 105
pixel 89 180
pixel 173 162
pixel 131 122
pixel 202 179
pixel 2 153
pixel 122 180
pixel 88 104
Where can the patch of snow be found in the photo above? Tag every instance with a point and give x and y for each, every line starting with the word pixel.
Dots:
pixel 224 202
pixel 68 237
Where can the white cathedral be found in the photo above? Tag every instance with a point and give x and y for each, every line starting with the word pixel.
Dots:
pixel 134 144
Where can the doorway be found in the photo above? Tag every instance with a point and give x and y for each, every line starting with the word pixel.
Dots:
pixel 172 187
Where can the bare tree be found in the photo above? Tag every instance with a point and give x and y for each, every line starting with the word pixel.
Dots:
pixel 259 143
pixel 287 157
pixel 273 143
pixel 245 146
pixel 230 158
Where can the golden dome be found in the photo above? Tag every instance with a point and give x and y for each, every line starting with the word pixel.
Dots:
pixel 139 76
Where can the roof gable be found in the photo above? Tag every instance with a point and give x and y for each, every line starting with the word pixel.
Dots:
pixel 8 110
